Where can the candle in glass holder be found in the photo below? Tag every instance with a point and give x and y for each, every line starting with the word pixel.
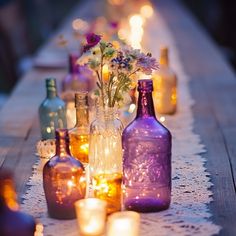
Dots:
pixel 91 216
pixel 123 223
pixel 108 187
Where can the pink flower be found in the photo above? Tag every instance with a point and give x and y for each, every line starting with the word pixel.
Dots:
pixel 92 40
pixel 147 64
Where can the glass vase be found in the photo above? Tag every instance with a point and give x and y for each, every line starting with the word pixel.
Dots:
pixel 105 157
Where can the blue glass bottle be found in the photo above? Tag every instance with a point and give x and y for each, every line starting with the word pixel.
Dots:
pixel 52 113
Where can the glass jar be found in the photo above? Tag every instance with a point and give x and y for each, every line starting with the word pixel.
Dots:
pixel 146 157
pixel 105 157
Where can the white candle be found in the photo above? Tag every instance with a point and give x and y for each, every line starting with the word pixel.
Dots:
pixel 124 223
pixel 91 216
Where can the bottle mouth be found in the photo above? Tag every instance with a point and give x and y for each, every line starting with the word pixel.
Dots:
pixel 51 82
pixel 145 85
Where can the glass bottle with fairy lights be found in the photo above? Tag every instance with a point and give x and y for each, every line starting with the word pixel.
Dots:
pixel 146 157
pixel 64 180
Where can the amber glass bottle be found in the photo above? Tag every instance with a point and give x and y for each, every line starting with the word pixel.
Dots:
pixel 165 86
pixel 79 135
pixel 64 180
pixel 12 221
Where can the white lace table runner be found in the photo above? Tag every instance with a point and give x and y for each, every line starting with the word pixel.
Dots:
pixel 188 213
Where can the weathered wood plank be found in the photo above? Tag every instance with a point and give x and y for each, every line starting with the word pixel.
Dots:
pixel 213 86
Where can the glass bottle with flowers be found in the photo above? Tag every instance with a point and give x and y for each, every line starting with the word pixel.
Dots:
pixel 105 148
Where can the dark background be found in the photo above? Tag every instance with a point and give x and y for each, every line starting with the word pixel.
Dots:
pixel 26 24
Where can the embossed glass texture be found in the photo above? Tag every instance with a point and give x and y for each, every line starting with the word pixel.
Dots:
pixel 51 111
pixel 146 158
pixel 64 180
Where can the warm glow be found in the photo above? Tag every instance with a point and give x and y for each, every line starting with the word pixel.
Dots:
pixel 122 34
pixel 91 216
pixel 132 108
pixel 146 11
pixel 49 130
pixel 116 2
pixel 136 21
pixel 108 187
pixel 38 230
pixel 123 223
pixel 105 72
pixel 79 24
pixel 162 119
pixel 136 31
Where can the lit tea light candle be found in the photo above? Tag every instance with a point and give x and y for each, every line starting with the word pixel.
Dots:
pixel 91 216
pixel 123 223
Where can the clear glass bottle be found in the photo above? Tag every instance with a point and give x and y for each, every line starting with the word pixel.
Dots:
pixel 79 135
pixel 105 157
pixel 146 157
pixel 78 79
pixel 52 113
pixel 64 180
pixel 165 86
pixel 12 221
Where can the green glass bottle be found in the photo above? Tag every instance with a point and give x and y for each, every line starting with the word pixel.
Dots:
pixel 52 113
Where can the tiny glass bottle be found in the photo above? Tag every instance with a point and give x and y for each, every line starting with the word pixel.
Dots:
pixel 79 135
pixel 64 180
pixel 146 157
pixel 51 111
pixel 165 86
pixel 78 79
pixel 105 157
pixel 12 221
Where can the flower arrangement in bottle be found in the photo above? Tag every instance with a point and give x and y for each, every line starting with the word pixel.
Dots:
pixel 115 68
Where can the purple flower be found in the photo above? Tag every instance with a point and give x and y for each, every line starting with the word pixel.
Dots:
pixel 92 40
pixel 146 63
pixel 114 24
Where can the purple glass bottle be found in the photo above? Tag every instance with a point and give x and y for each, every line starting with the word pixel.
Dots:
pixel 64 180
pixel 147 157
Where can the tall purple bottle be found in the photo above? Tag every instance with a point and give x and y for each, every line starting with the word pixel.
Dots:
pixel 146 158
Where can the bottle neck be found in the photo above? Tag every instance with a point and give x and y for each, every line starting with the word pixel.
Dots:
pixel 62 144
pixel 82 116
pixel 8 195
pixel 145 105
pixel 51 92
pixel 164 58
pixel 106 114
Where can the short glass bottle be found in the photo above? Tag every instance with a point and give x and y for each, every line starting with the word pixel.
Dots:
pixel 52 113
pixel 64 180
pixel 78 79
pixel 165 86
pixel 79 135
pixel 105 157
pixel 12 221
pixel 146 157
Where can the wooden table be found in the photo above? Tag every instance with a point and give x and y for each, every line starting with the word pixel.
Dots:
pixel 213 86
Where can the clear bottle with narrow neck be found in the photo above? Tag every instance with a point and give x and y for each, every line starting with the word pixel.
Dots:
pixel 165 86
pixel 79 135
pixel 146 157
pixel 64 180
pixel 12 221
pixel 52 113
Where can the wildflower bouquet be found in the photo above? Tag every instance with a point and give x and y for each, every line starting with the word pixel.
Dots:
pixel 123 64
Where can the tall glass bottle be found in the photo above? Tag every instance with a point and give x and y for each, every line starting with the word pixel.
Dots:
pixel 64 180
pixel 79 78
pixel 79 135
pixel 51 111
pixel 105 157
pixel 12 221
pixel 146 157
pixel 165 86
